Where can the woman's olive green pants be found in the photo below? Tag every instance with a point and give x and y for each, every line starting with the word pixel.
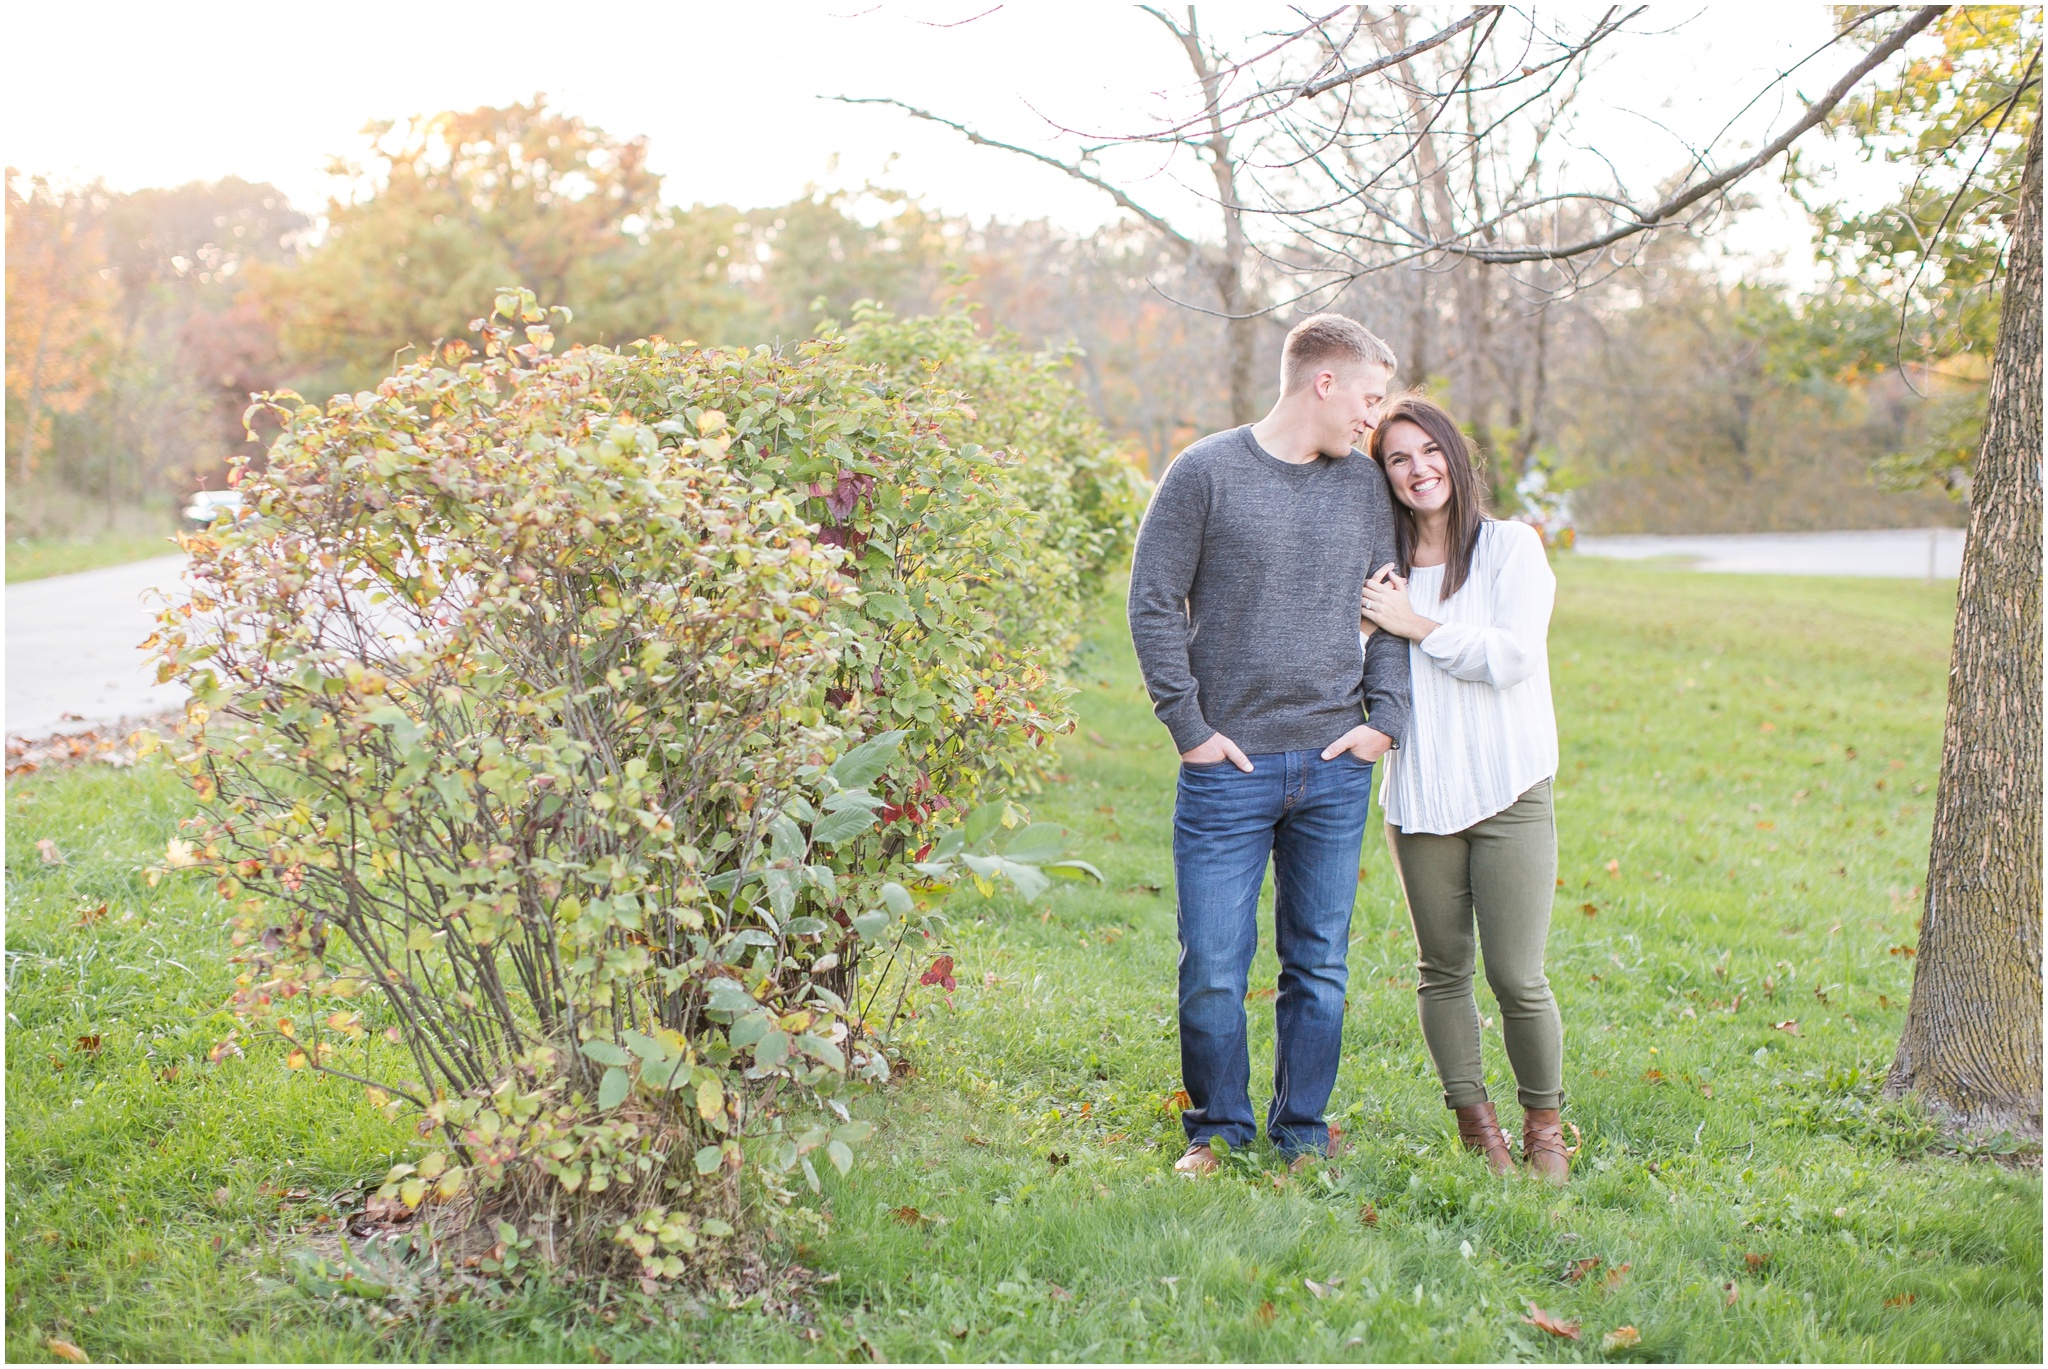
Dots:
pixel 1499 874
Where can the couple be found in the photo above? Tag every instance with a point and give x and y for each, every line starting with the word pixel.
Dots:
pixel 1269 556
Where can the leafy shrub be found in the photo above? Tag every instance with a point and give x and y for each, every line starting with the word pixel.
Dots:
pixel 530 678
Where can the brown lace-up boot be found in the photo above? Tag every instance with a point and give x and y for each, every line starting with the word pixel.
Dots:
pixel 1543 1149
pixel 1480 1130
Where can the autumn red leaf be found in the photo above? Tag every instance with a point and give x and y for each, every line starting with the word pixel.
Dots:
pixel 940 972
pixel 1369 1215
pixel 1579 1269
pixel 909 1216
pixel 1902 1300
pixel 1611 1280
pixel 87 1045
pixel 1543 1321
pixel 1754 1260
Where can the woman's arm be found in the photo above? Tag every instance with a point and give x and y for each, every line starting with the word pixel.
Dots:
pixel 1506 650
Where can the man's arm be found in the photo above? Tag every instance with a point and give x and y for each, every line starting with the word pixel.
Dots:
pixel 1387 694
pixel 1162 570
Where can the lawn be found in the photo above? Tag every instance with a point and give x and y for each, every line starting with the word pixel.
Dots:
pixel 33 558
pixel 1744 808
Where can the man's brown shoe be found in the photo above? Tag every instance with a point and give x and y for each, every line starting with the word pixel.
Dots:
pixel 1480 1131
pixel 1198 1163
pixel 1543 1149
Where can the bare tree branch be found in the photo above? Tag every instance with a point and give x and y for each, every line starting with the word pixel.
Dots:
pixel 1116 193
pixel 1663 213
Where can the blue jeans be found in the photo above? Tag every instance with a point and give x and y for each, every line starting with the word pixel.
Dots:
pixel 1308 815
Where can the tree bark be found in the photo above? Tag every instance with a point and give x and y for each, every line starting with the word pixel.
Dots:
pixel 1971 1048
pixel 1241 331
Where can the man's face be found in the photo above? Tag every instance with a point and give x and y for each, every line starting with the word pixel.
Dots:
pixel 1351 396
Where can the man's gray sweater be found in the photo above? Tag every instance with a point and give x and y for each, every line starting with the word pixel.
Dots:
pixel 1244 598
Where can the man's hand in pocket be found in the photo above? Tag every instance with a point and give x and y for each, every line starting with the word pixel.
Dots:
pixel 1362 742
pixel 1218 748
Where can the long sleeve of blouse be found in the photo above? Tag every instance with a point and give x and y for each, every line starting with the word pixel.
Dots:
pixel 1508 648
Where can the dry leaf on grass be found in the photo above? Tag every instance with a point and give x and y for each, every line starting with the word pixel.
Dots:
pixel 1621 1338
pixel 47 849
pixel 1579 1269
pixel 1543 1321
pixel 65 1350
pixel 1730 1293
pixel 1611 1280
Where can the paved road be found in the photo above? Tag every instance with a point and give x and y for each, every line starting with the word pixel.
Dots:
pixel 71 639
pixel 1904 553
pixel 72 648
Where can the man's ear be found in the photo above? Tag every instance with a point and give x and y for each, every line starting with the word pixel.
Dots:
pixel 1325 382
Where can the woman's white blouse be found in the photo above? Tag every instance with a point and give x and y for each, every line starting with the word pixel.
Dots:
pixel 1482 731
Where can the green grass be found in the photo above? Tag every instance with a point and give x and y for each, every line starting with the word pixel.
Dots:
pixel 1756 757
pixel 34 558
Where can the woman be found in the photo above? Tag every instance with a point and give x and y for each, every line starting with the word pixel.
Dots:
pixel 1467 794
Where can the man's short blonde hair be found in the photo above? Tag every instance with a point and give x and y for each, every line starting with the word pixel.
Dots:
pixel 1320 337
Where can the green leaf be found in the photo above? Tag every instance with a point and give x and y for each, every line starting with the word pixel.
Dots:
pixel 806 926
pixel 781 886
pixel 647 1048
pixel 606 1053
pixel 729 997
pixel 854 798
pixel 708 1158
pixel 750 1029
pixel 983 821
pixel 1040 842
pixel 871 926
pixel 612 1089
pixel 860 767
pixel 842 1158
pixel 886 608
pixel 785 838
pixel 773 1050
pixel 897 899
pixel 1073 869
pixel 1029 882
pixel 847 823
pixel 853 1133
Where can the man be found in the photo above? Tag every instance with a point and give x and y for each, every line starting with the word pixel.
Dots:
pixel 1244 611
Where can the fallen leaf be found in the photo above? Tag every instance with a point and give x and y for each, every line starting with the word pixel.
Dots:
pixel 1756 1261
pixel 1265 1314
pixel 1096 737
pixel 1706 1090
pixel 1141 888
pixel 974 1140
pixel 65 1350
pixel 1579 1269
pixel 1907 951
pixel 1059 1294
pixel 1614 869
pixel 1621 1338
pixel 88 916
pixel 87 1045
pixel 1902 1300
pixel 909 1216
pixel 1653 1076
pixel 1611 1280
pixel 1178 1101
pixel 1789 1028
pixel 1589 909
pixel 1369 1215
pixel 1261 994
pixel 169 1074
pixel 1321 1290
pixel 1543 1321
pixel 47 849
pixel 1057 1158
pixel 1729 1293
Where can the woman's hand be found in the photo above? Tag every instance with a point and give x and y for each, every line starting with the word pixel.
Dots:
pixel 1384 602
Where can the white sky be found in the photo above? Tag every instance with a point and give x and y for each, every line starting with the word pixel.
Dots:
pixel 727 93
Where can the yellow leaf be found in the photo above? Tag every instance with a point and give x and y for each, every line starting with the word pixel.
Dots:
pixel 431 1167
pixel 710 1097
pixel 412 1191
pixel 1621 1338
pixel 450 1185
pixel 64 1349
pixel 419 939
pixel 295 1061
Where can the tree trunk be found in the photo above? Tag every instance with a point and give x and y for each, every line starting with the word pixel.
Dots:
pixel 1971 1048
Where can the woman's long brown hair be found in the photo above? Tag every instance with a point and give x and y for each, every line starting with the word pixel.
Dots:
pixel 1467 507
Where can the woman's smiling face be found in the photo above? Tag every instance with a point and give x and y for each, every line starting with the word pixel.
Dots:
pixel 1416 466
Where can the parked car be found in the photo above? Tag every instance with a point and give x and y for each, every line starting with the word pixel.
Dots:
pixel 208 505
